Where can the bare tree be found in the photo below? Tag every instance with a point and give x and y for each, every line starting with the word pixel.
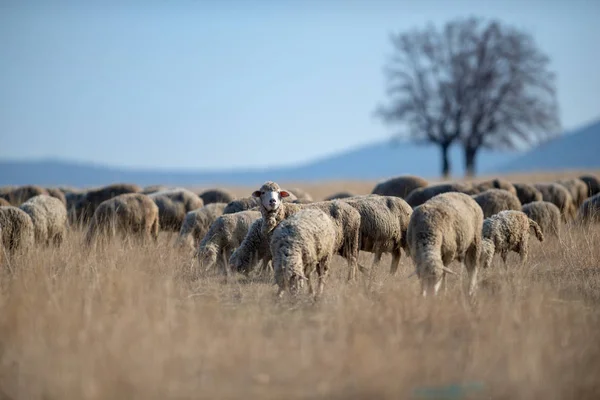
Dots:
pixel 487 87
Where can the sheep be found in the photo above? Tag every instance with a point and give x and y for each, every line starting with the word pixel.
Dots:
pixel 245 203
pixel 560 196
pixel 302 201
pixel 492 201
pixel 527 193
pixel 4 203
pixel 17 230
pixel 546 215
pixel 274 210
pixel 508 231
pixel 127 214
pixel 49 217
pixel 153 189
pixel 87 204
pixel 173 205
pixel 399 186
pixel 589 211
pixel 216 196
pixel 196 225
pixel 300 244
pixel 339 195
pixel 383 224
pixel 225 234
pixel 445 228
pixel 300 194
pixel 593 184
pixel 577 188
pixel 57 193
pixel 21 194
pixel 495 184
pixel 421 195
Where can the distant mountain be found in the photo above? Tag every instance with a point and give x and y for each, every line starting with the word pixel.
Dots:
pixel 371 162
pixel 579 149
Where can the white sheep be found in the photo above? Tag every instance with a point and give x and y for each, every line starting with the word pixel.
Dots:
pixel 492 201
pixel 445 228
pixel 508 231
pixel 196 225
pixel 49 217
pixel 17 230
pixel 546 215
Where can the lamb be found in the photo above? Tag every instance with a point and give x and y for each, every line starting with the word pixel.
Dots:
pixel 216 196
pixel 300 244
pixel 49 217
pixel 508 231
pixel 589 211
pixel 421 195
pixel 527 193
pixel 399 186
pixel 546 215
pixel 492 201
pixel 17 230
pixel 339 195
pixel 383 224
pixel 87 204
pixel 245 203
pixel 196 225
pixel 225 234
pixel 560 196
pixel 495 184
pixel 593 184
pixel 131 214
pixel 21 194
pixel 301 195
pixel 173 205
pixel 445 228
pixel 577 188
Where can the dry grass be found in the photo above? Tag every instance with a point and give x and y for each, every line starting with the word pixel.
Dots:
pixel 130 323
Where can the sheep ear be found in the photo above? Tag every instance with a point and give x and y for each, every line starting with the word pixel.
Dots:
pixel 256 193
pixel 283 193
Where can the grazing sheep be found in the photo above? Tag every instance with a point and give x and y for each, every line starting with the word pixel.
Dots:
pixel 17 230
pixel 57 193
pixel 509 231
pixel 339 195
pixel 173 205
pixel 300 194
pixel 577 188
pixel 243 204
pixel 444 229
pixel 383 224
pixel 546 215
pixel 196 225
pixel 131 214
pixel 421 195
pixel 49 217
pixel 527 193
pixel 399 186
pixel 593 184
pixel 560 196
pixel 589 211
pixel 487 253
pixel 495 184
pixel 153 189
pixel 225 234
pixel 492 201
pixel 216 196
pixel 87 204
pixel 3 202
pixel 300 244
pixel 21 194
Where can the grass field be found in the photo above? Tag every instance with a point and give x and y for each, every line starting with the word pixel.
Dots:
pixel 131 323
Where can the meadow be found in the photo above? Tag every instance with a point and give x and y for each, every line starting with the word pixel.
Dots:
pixel 140 322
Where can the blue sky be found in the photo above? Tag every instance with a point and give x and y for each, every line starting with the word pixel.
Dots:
pixel 216 84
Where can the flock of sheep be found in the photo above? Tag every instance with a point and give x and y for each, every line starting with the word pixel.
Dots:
pixel 290 236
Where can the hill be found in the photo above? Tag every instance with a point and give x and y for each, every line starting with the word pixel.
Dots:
pixel 371 162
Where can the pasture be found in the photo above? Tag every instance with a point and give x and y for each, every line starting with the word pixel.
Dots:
pixel 139 321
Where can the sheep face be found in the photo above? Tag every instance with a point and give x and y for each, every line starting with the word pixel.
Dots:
pixel 270 195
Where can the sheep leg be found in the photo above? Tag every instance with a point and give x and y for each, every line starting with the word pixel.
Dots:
pixel 524 250
pixel 439 283
pixel 471 259
pixel 395 261
pixel 322 269
pixel 375 264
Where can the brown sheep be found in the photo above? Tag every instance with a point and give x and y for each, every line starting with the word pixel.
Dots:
pixel 339 195
pixel 399 186
pixel 86 205
pixel 58 194
pixel 17 230
pixel 21 194
pixel 560 196
pixel 593 184
pixel 492 201
pixel 577 188
pixel 216 196
pixel 527 193
pixel 421 195
pixel 546 214
pixel 173 205
pixel 495 184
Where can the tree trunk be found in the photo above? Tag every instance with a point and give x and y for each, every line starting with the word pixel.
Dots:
pixel 445 160
pixel 470 156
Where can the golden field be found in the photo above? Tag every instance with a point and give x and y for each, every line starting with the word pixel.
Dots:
pixel 132 322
